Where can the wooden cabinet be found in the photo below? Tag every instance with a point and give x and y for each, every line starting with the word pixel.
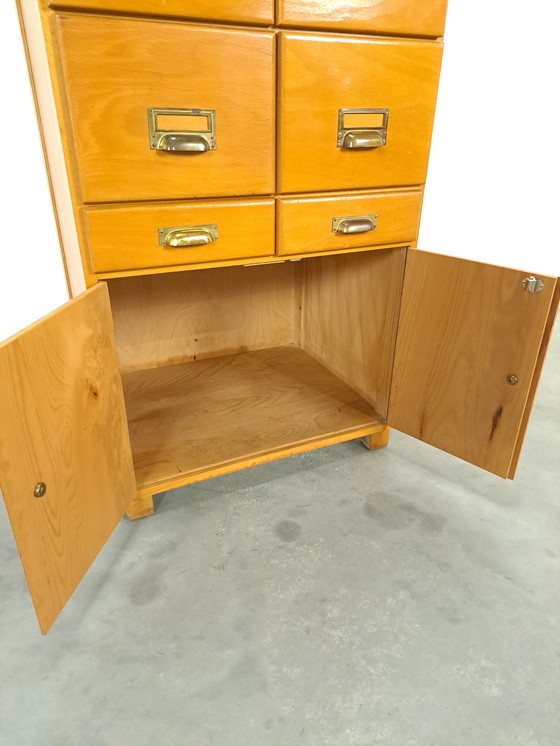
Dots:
pixel 239 329
pixel 398 17
pixel 240 11
pixel 355 113
pixel 178 79
pixel 139 236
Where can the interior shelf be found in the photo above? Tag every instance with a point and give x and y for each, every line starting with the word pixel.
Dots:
pixel 208 414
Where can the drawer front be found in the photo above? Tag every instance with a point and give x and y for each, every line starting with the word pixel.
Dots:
pixel 174 70
pixel 324 79
pixel 407 17
pixel 313 224
pixel 243 11
pixel 131 237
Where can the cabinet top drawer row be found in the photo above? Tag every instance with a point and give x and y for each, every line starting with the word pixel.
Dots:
pixel 177 111
pixel 401 17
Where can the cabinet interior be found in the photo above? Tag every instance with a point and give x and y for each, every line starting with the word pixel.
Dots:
pixel 227 365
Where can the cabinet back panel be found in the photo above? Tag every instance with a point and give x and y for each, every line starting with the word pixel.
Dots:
pixel 349 319
pixel 173 318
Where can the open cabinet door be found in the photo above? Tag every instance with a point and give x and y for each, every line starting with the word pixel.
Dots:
pixel 470 347
pixel 63 432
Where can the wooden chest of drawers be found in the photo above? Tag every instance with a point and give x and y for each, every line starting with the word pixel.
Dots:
pixel 245 182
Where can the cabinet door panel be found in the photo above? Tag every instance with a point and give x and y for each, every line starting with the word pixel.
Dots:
pixel 142 65
pixel 464 329
pixel 248 11
pixel 325 77
pixel 63 424
pixel 407 17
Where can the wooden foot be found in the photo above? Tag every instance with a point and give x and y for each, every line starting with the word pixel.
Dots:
pixel 377 440
pixel 140 507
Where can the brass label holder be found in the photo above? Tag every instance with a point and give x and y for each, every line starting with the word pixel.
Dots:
pixel 362 138
pixel 182 140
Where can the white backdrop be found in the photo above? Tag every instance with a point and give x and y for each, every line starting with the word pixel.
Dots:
pixel 492 192
pixel 32 280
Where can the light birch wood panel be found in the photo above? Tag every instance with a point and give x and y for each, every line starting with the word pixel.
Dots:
pixel 305 223
pixel 464 328
pixel 320 74
pixel 140 64
pixel 350 310
pixel 126 237
pixel 406 17
pixel 63 423
pixel 208 414
pixel 552 318
pixel 166 319
pixel 241 11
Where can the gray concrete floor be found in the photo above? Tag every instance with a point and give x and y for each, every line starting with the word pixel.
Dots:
pixel 342 597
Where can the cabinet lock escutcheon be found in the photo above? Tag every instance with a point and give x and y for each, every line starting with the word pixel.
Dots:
pixel 532 284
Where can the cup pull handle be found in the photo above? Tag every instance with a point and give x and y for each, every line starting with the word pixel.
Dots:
pixel 354 224
pixel 186 236
pixel 183 143
pixel 364 139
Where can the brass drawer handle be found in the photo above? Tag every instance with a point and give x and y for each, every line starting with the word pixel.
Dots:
pixel 182 140
pixel 188 235
pixel 354 224
pixel 362 138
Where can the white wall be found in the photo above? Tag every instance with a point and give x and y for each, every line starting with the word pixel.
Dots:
pixel 32 279
pixel 492 191
pixel 491 195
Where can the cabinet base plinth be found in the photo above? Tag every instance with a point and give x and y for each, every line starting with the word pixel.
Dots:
pixel 377 440
pixel 141 506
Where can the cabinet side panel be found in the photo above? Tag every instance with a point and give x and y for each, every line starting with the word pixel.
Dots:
pixel 173 318
pixel 63 424
pixel 349 318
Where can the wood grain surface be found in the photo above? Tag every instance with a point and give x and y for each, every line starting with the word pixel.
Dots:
pixel 305 223
pixel 140 64
pixel 62 422
pixel 349 320
pixel 463 328
pixel 167 319
pixel 321 74
pixel 210 413
pixel 406 17
pixel 241 11
pixel 126 237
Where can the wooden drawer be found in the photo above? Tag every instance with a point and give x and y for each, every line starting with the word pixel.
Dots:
pixel 243 11
pixel 323 78
pixel 305 225
pixel 128 237
pixel 140 65
pixel 406 17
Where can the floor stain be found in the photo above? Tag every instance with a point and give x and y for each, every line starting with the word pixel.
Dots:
pixel 287 531
pixel 146 590
pixel 392 512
